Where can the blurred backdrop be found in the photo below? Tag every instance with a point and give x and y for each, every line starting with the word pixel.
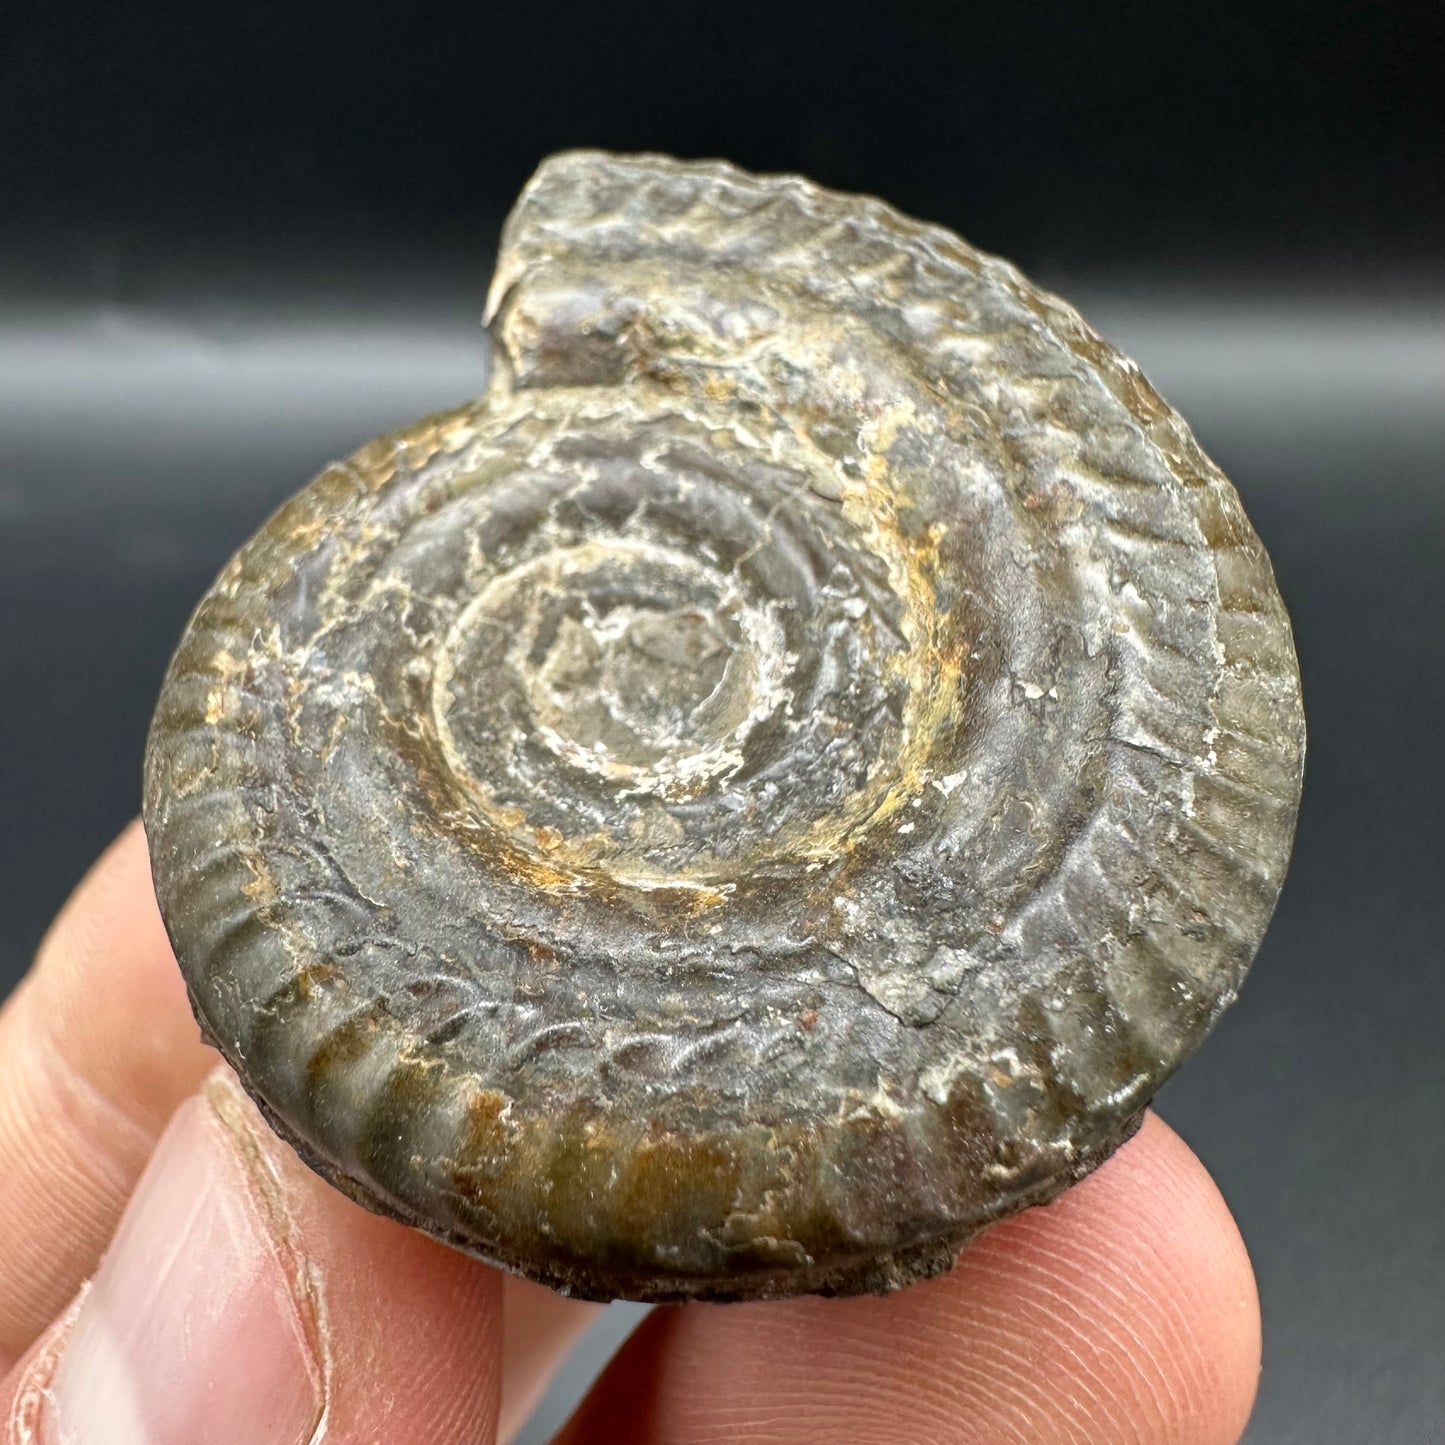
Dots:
pixel 237 241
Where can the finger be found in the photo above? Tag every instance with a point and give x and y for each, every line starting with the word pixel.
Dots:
pixel 1126 1312
pixel 97 1047
pixel 540 1328
pixel 245 1302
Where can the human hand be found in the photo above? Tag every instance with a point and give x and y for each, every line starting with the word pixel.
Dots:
pixel 235 1299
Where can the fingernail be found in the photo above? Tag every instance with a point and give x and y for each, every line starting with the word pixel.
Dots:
pixel 200 1327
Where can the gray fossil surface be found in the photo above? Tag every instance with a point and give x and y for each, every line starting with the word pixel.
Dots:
pixel 772 787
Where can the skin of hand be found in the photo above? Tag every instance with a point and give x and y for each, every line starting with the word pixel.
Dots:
pixel 170 1274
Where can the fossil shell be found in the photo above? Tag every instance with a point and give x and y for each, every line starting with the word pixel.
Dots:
pixel 772 787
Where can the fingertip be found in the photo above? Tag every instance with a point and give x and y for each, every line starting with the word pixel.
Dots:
pixel 1125 1312
pixel 413 1330
pixel 245 1302
pixel 1130 1302
pixel 1163 1209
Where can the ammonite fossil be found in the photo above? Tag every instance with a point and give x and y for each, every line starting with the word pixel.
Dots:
pixel 772 787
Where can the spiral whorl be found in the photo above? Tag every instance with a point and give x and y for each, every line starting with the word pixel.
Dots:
pixel 773 786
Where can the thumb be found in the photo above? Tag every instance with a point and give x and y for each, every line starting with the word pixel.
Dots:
pixel 244 1302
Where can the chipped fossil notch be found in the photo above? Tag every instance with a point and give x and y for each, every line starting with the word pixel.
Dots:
pixel 772 787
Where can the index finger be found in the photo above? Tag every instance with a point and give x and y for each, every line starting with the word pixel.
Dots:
pixel 1124 1312
pixel 97 1048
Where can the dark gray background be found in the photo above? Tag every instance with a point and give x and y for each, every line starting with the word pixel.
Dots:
pixel 233 246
